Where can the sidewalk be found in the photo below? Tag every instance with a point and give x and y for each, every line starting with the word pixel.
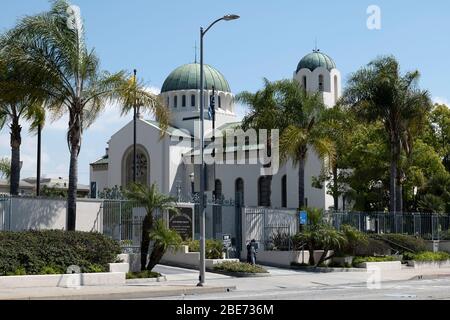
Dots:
pixel 135 291
pixel 184 284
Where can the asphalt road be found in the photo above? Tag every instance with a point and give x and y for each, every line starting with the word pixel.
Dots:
pixel 292 285
pixel 437 289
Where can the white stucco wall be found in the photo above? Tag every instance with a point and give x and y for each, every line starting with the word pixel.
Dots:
pixel 48 214
pixel 332 88
pixel 100 177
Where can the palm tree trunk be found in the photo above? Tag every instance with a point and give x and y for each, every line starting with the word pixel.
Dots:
pixel 16 141
pixel 74 140
pixel 156 256
pixel 399 192
pixel 393 178
pixel 72 191
pixel 147 225
pixel 301 182
pixel 335 188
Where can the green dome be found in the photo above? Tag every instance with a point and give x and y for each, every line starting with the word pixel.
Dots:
pixel 187 77
pixel 315 60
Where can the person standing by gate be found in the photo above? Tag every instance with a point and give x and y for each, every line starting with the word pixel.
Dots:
pixel 251 252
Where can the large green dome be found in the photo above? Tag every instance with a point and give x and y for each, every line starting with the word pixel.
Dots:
pixel 315 60
pixel 187 77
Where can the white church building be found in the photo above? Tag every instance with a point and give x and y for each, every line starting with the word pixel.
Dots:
pixel 166 161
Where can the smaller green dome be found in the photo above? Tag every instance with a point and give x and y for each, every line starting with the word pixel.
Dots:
pixel 316 60
pixel 187 77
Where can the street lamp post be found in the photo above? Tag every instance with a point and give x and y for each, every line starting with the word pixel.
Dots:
pixel 135 116
pixel 202 147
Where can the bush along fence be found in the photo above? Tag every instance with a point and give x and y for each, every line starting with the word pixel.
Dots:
pixel 428 226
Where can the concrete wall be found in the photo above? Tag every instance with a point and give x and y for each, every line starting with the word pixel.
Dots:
pixel 183 257
pixel 443 245
pixel 48 214
pixel 285 258
pixel 100 176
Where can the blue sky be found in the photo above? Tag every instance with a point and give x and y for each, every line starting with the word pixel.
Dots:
pixel 268 41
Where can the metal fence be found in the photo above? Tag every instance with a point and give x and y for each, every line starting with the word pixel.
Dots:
pixel 272 228
pixel 5 213
pixel 426 225
pixel 122 221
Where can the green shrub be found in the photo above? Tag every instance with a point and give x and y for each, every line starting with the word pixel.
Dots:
pixel 355 239
pixel 143 275
pixel 239 267
pixel 95 268
pixel 214 248
pixel 373 247
pixel 51 270
pixel 428 256
pixel 35 251
pixel 404 243
pixel 18 272
pixel 359 260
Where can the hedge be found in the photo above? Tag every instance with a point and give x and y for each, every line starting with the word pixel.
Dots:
pixel 402 242
pixel 47 252
pixel 427 256
pixel 239 267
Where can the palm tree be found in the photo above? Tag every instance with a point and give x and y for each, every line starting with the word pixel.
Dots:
pixel 284 105
pixel 305 130
pixel 53 43
pixel 152 200
pixel 379 92
pixel 5 168
pixel 19 101
pixel 162 238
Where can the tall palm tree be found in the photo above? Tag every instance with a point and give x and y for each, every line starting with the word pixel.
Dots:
pixel 284 105
pixel 152 200
pixel 19 101
pixel 379 92
pixel 54 44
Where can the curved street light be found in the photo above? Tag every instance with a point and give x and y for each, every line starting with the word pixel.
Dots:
pixel 202 266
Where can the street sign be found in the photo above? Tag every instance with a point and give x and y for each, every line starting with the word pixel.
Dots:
pixel 303 217
pixel 226 238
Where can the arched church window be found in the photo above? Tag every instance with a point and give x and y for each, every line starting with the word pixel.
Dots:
pixel 321 86
pixel 193 100
pixel 220 101
pixel 264 191
pixel 239 191
pixel 183 101
pixel 284 191
pixel 336 96
pixel 168 101
pixel 247 150
pixel 175 101
pixel 142 167
pixel 304 83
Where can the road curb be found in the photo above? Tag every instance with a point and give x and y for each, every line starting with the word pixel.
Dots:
pixel 146 280
pixel 132 295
